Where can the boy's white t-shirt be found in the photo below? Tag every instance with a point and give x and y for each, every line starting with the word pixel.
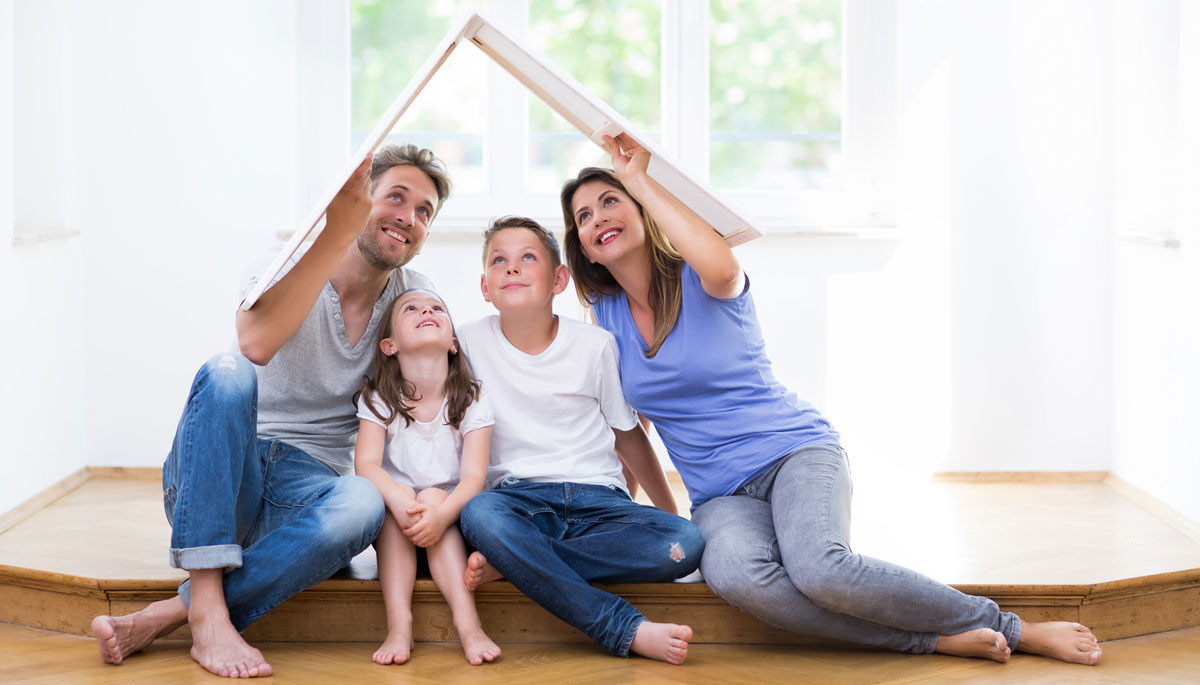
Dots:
pixel 555 410
pixel 425 455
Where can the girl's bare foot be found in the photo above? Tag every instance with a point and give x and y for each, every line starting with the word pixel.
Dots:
pixel 396 647
pixel 218 647
pixel 663 641
pixel 479 571
pixel 477 646
pixel 983 643
pixel 120 636
pixel 1061 640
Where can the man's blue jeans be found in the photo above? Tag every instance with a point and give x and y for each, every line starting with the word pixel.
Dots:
pixel 551 539
pixel 276 519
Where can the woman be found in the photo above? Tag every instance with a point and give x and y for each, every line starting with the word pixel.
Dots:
pixel 768 479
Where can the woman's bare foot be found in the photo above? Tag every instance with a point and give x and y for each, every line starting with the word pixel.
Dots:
pixel 120 636
pixel 1061 640
pixel 479 571
pixel 396 647
pixel 477 646
pixel 982 643
pixel 218 647
pixel 663 641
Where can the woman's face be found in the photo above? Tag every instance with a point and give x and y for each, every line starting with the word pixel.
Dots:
pixel 609 222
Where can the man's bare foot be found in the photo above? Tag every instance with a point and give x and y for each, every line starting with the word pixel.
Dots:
pixel 1061 640
pixel 218 647
pixel 120 636
pixel 477 646
pixel 396 648
pixel 663 641
pixel 479 571
pixel 983 643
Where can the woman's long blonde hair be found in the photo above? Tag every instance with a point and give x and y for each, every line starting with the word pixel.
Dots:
pixel 593 280
pixel 387 382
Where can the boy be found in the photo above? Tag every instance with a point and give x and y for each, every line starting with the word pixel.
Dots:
pixel 558 515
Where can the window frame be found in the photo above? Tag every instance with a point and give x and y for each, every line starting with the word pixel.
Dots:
pixel 864 201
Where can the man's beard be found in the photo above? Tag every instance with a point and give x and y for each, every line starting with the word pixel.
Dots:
pixel 369 248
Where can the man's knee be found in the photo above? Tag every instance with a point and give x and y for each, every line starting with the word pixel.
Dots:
pixel 358 512
pixel 229 377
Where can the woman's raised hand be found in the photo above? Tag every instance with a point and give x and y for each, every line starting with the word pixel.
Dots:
pixel 629 159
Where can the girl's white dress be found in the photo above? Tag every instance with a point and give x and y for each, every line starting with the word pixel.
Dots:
pixel 426 455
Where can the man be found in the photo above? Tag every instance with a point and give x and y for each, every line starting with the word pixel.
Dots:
pixel 256 485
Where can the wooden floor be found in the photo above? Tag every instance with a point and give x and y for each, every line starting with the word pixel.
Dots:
pixel 28 655
pixel 1037 548
pixel 961 533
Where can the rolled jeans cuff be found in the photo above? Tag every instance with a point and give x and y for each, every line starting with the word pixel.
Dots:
pixel 627 641
pixel 211 556
pixel 1012 632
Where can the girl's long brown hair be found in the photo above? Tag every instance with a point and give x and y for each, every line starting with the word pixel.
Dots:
pixel 386 380
pixel 594 280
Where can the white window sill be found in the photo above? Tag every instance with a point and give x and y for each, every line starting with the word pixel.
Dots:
pixel 25 238
pixel 1164 241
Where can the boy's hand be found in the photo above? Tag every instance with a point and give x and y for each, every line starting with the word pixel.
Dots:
pixel 430 524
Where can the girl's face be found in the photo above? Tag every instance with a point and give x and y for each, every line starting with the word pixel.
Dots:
pixel 609 222
pixel 419 322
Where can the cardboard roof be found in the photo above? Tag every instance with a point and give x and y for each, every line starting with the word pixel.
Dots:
pixel 560 91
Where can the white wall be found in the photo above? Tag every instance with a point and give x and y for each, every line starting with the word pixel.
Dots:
pixel 190 118
pixel 980 336
pixel 183 165
pixel 44 342
pixel 1157 327
pixel 1030 254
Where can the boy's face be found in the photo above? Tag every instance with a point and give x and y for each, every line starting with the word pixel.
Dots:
pixel 518 274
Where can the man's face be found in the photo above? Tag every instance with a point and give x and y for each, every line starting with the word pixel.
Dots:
pixel 402 206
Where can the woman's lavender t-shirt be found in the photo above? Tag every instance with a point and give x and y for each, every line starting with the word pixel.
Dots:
pixel 711 392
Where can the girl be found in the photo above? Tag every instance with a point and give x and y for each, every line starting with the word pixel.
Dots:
pixel 419 409
pixel 767 476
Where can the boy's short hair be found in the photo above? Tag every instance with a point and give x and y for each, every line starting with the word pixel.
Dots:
pixel 546 237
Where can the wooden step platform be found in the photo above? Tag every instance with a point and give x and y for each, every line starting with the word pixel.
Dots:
pixel 1062 550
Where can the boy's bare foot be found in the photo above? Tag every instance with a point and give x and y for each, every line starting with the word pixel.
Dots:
pixel 396 648
pixel 663 641
pixel 1061 640
pixel 218 647
pixel 477 646
pixel 120 636
pixel 983 643
pixel 479 571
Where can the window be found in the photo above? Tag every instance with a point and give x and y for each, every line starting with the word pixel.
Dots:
pixel 41 54
pixel 785 108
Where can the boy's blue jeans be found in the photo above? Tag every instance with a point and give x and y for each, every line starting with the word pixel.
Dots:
pixel 276 519
pixel 551 539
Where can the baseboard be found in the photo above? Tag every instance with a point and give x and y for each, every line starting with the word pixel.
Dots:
pixel 1155 506
pixel 43 499
pixel 150 474
pixel 1055 477
pixel 54 491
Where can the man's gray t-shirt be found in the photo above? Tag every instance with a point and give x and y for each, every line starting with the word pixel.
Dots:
pixel 305 392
